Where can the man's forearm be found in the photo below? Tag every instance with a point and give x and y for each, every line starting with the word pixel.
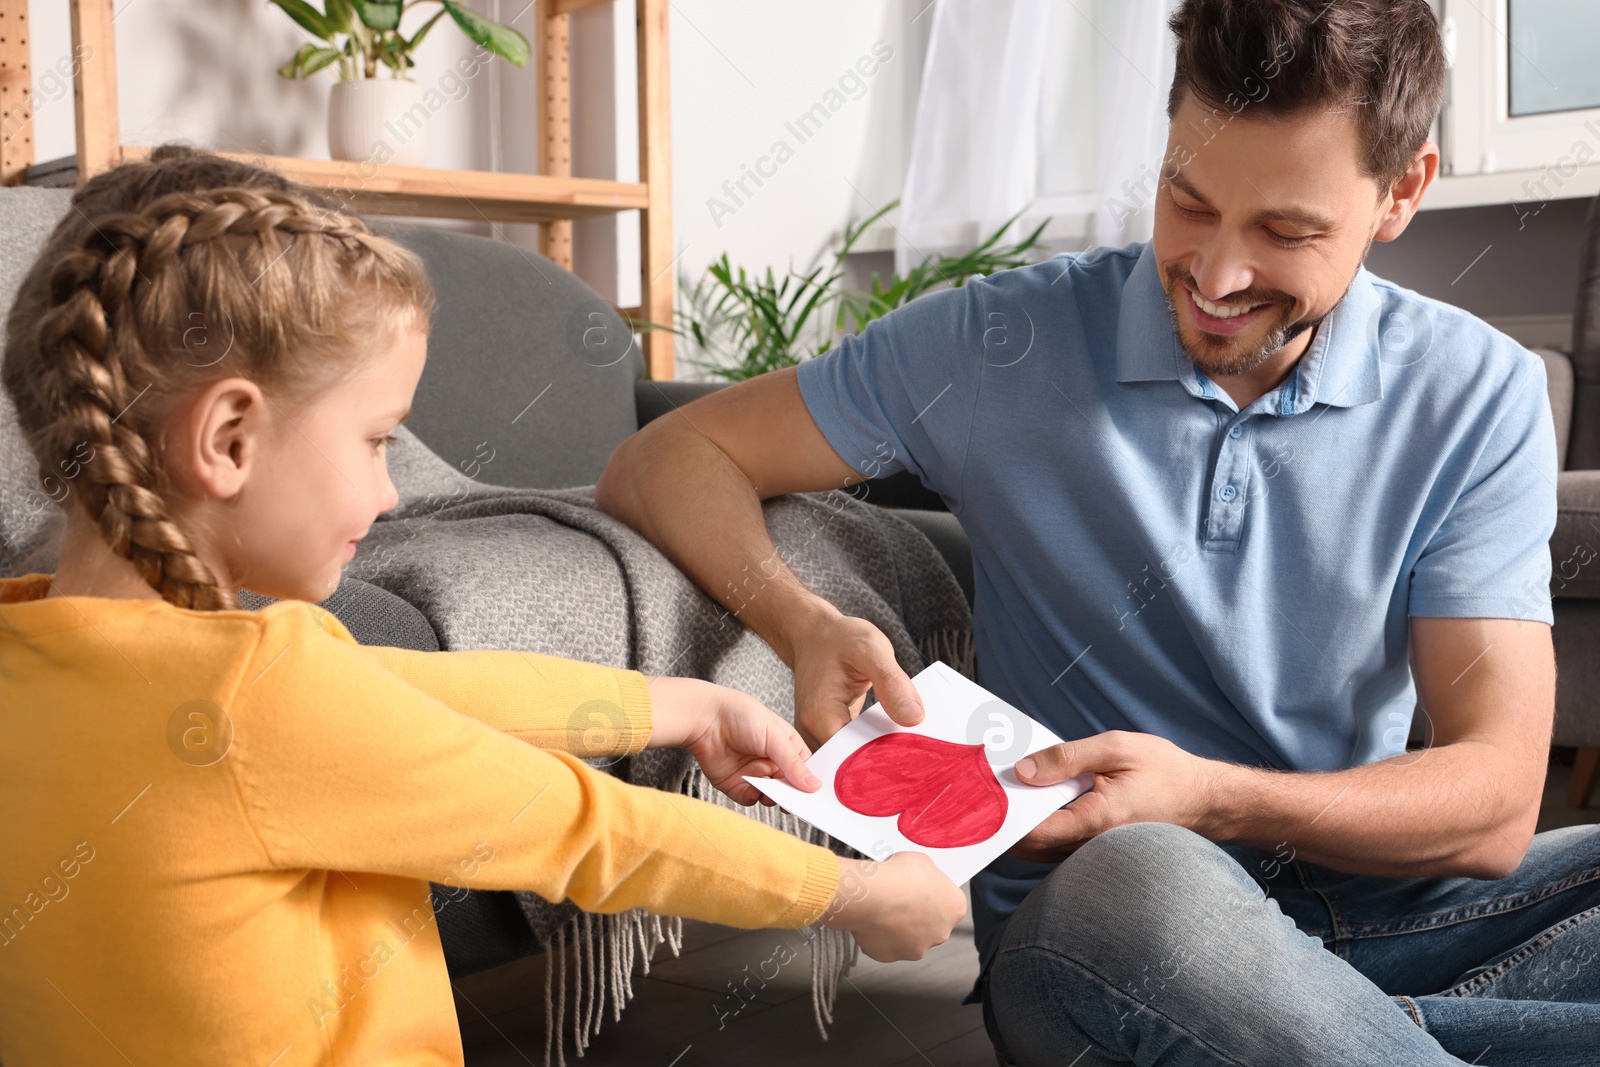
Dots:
pixel 1456 809
pixel 684 495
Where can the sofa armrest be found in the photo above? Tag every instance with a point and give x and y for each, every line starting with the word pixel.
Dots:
pixel 902 490
pixel 652 399
pixel 372 614
pixel 1560 384
pixel 1575 545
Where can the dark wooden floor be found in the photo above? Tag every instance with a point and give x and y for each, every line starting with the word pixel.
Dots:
pixel 886 1015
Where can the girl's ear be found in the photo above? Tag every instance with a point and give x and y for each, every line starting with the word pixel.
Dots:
pixel 217 438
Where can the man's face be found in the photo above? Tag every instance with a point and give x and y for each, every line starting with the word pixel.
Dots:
pixel 1265 218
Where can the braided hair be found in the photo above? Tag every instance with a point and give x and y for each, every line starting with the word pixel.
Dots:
pixel 167 275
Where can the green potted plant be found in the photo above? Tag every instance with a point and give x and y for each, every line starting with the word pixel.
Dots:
pixel 742 323
pixel 374 118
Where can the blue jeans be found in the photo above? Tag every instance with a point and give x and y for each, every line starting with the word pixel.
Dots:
pixel 1152 945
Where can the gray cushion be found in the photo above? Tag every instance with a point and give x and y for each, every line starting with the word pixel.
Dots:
pixel 30 524
pixel 1584 450
pixel 27 216
pixel 1575 545
pixel 530 375
pixel 1558 378
pixel 1577 635
pixel 373 616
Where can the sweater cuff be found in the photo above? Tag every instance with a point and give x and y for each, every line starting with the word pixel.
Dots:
pixel 633 693
pixel 817 889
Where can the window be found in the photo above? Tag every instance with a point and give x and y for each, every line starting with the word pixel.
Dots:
pixel 1524 92
pixel 1549 53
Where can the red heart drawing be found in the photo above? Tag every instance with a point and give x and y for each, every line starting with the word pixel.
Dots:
pixel 945 794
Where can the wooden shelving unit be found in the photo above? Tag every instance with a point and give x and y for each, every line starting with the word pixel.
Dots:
pixel 552 197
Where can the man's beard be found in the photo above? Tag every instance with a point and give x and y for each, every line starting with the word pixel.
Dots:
pixel 1222 356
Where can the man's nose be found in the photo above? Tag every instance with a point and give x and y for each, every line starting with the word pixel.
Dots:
pixel 1222 268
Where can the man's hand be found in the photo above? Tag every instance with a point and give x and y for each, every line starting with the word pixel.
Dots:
pixel 835 659
pixel 1137 778
pixel 730 734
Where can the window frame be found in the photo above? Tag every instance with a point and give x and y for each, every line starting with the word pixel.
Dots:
pixel 1481 137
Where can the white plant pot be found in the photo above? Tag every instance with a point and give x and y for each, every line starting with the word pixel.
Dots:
pixel 381 120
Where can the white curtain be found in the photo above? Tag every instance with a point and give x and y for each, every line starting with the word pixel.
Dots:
pixel 1056 107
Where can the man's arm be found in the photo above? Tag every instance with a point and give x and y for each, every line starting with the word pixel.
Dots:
pixel 1465 805
pixel 692 483
pixel 693 480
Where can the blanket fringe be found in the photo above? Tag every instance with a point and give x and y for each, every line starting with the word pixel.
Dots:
pixel 955 647
pixel 606 948
pixel 833 952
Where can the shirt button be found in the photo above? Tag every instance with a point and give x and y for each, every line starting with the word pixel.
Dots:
pixel 1227 493
pixel 1236 431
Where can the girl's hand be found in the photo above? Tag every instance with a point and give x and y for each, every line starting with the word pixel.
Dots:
pixel 730 734
pixel 897 909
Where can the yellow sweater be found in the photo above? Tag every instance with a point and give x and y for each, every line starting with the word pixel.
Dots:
pixel 162 905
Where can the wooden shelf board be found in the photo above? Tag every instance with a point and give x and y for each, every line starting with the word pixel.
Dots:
pixel 458 194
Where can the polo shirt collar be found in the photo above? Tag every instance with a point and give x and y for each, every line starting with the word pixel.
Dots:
pixel 1340 367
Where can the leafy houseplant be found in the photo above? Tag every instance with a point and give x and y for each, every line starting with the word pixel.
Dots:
pixel 371 32
pixel 750 324
pixel 366 115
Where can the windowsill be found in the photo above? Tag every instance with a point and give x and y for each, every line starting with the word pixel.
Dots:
pixel 1513 187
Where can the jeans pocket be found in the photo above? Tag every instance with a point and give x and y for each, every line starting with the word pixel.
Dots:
pixel 1560 964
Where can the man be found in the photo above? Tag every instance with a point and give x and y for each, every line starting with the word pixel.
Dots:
pixel 1222 490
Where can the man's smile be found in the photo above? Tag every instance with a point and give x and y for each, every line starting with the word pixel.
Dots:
pixel 1222 318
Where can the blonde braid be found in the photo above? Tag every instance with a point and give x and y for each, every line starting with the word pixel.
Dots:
pixel 266 259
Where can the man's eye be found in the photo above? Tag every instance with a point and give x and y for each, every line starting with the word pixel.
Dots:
pixel 386 439
pixel 1188 212
pixel 1287 242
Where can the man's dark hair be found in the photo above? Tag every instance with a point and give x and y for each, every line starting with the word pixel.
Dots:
pixel 1384 59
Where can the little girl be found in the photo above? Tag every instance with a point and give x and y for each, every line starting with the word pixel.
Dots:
pixel 211 814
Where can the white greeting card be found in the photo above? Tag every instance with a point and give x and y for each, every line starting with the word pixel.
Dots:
pixel 945 787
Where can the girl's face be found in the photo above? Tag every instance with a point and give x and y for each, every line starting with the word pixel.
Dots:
pixel 284 496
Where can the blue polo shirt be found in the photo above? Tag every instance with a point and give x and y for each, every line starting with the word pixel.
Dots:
pixel 1149 557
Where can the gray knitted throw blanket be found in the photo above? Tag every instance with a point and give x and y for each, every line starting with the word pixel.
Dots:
pixel 546 571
